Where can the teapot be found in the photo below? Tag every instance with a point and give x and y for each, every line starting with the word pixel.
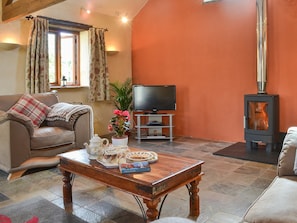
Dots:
pixel 96 147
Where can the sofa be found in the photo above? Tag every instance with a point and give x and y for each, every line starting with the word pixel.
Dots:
pixel 278 203
pixel 35 128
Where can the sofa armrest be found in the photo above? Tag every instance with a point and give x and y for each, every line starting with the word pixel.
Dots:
pixel 83 130
pixel 65 115
pixel 287 155
pixel 15 144
pixel 22 119
pixel 69 124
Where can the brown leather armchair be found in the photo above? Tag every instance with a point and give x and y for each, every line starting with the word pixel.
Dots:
pixel 24 146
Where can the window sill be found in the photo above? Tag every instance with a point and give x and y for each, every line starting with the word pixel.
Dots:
pixel 68 87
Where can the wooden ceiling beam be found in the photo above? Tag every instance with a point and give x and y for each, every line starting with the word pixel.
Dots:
pixel 15 10
pixel 6 2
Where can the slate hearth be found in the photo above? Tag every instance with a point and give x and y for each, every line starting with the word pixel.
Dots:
pixel 239 151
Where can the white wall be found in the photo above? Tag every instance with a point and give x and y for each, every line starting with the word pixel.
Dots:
pixel 12 63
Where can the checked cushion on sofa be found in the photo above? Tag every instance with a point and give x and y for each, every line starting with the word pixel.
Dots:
pixel 30 107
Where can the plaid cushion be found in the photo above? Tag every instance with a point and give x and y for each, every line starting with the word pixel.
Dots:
pixel 32 108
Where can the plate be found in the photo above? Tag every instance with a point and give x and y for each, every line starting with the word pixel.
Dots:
pixel 112 161
pixel 108 164
pixel 112 156
pixel 142 156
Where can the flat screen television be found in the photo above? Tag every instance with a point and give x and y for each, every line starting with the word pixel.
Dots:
pixel 154 98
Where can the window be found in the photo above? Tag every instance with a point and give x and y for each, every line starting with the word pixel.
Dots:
pixel 68 51
pixel 64 61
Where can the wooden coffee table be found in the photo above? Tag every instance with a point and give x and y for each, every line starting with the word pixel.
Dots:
pixel 169 173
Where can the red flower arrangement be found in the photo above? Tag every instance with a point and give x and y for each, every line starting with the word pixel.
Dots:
pixel 119 123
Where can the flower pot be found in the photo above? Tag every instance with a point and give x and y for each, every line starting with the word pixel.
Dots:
pixel 122 141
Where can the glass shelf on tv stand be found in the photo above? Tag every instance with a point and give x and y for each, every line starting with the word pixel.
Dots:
pixel 154 124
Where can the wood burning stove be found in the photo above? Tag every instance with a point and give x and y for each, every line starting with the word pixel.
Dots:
pixel 261 120
pixel 261 111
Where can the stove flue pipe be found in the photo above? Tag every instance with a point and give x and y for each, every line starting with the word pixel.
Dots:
pixel 261 45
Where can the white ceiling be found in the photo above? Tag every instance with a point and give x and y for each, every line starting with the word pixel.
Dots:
pixel 128 8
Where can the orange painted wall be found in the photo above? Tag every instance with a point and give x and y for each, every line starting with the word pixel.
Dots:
pixel 209 52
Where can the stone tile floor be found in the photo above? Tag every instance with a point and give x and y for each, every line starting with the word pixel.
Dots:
pixel 227 189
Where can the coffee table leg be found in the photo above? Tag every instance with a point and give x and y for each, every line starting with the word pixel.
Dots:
pixel 194 198
pixel 152 211
pixel 67 191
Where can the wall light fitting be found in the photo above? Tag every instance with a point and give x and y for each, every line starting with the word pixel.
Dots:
pixel 8 46
pixel 111 52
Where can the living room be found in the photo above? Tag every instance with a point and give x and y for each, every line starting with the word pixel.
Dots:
pixel 197 37
pixel 207 50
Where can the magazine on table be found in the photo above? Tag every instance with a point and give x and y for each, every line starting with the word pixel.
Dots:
pixel 135 167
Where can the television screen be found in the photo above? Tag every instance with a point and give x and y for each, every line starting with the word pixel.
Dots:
pixel 153 98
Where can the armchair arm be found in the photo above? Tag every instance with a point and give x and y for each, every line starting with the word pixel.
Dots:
pixel 70 124
pixel 15 144
pixel 22 119
pixel 287 155
pixel 83 130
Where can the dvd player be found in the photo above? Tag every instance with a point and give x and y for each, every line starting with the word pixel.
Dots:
pixel 154 123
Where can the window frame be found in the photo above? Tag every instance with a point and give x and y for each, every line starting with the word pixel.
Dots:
pixel 76 60
pixel 80 28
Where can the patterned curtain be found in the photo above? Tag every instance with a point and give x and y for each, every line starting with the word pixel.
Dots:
pixel 37 77
pixel 99 77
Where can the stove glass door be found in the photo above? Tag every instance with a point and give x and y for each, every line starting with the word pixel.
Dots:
pixel 258 115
